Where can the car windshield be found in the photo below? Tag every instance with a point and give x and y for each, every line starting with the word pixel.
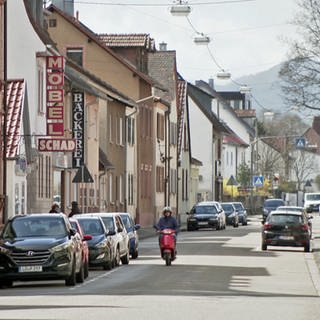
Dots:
pixel 35 227
pixel 205 210
pixel 285 219
pixel 296 209
pixel 127 223
pixel 227 207
pixel 109 223
pixel 273 203
pixel 313 197
pixel 238 206
pixel 91 226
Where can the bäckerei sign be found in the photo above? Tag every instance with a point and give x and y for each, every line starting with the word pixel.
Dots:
pixel 78 128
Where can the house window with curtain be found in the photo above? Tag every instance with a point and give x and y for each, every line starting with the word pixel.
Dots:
pixel 76 55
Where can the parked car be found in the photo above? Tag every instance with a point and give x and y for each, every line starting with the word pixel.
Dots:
pixel 119 235
pixel 286 229
pixel 40 247
pixel 84 245
pixel 206 214
pixel 100 246
pixel 271 205
pixel 242 213
pixel 131 228
pixel 231 214
pixel 298 209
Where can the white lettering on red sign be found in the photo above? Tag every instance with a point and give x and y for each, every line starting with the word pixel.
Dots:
pixel 56 145
pixel 55 95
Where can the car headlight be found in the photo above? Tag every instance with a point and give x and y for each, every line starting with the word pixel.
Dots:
pixel 3 250
pixel 265 211
pixel 60 247
pixel 232 215
pixel 102 244
pixel 192 219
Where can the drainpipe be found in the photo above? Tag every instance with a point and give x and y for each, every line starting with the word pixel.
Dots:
pixel 126 153
pixel 4 208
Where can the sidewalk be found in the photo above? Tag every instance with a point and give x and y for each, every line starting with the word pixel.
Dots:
pixel 316 238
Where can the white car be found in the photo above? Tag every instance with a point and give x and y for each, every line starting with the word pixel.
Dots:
pixel 119 235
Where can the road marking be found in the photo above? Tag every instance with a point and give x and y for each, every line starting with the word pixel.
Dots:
pixel 86 282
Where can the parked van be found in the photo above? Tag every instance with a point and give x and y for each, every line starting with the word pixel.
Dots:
pixel 312 201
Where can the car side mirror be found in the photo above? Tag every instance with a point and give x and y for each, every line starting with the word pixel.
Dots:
pixel 72 232
pixel 111 233
pixel 137 226
pixel 120 229
pixel 87 237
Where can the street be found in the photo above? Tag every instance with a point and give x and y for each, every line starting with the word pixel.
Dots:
pixel 218 274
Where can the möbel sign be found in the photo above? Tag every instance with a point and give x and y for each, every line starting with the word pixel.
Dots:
pixel 55 95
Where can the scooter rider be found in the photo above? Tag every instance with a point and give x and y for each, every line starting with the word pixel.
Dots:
pixel 167 221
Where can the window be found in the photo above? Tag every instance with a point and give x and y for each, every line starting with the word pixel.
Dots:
pixel 160 126
pixel 236 104
pixel 130 130
pixel 120 189
pixel 110 129
pixel 130 189
pixel 75 54
pixel 160 179
pixel 110 188
pixel 173 133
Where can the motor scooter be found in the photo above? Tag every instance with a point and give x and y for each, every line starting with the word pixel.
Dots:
pixel 167 243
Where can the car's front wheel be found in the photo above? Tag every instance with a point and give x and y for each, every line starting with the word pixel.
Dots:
pixel 125 259
pixel 264 246
pixel 307 247
pixel 71 280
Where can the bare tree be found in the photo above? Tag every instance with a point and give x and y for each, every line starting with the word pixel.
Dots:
pixel 301 73
pixel 302 166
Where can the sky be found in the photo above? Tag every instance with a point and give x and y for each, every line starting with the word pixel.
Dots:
pixel 246 36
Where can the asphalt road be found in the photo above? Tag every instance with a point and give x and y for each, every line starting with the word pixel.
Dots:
pixel 218 274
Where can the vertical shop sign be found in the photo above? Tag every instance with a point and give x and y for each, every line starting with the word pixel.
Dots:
pixel 78 128
pixel 55 95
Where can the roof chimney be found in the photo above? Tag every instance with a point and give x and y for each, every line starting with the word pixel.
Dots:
pixel 211 83
pixel 67 6
pixel 316 124
pixel 163 46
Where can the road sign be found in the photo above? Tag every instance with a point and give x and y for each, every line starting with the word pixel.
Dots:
pixel 232 181
pixel 258 181
pixel 300 142
pixel 83 176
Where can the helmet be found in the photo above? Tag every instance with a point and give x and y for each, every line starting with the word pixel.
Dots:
pixel 166 209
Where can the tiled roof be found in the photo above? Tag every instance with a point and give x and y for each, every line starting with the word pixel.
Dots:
pixel 247 113
pixel 128 40
pixel 234 139
pixel 181 106
pixel 15 95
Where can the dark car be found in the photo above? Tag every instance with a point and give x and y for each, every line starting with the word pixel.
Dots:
pixel 206 214
pixel 242 213
pixel 100 246
pixel 84 245
pixel 271 205
pixel 39 247
pixel 286 229
pixel 232 217
pixel 131 228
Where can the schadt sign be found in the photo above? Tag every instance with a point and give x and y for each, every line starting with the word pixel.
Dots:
pixel 56 145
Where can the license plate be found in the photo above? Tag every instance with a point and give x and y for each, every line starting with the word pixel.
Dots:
pixel 286 238
pixel 30 269
pixel 203 223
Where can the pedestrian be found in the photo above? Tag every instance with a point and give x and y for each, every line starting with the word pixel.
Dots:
pixel 55 208
pixel 74 209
